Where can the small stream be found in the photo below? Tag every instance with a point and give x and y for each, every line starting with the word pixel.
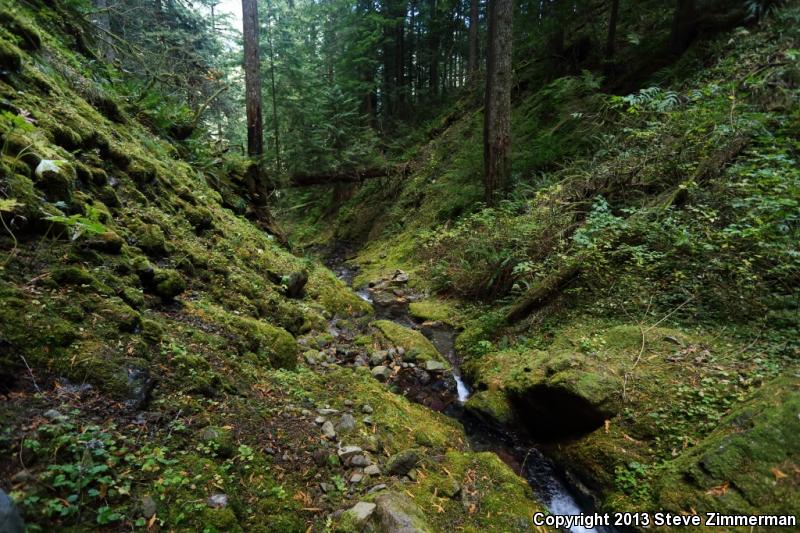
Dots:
pixel 546 480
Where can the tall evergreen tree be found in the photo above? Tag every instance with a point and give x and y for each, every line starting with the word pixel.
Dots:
pixel 252 73
pixel 497 109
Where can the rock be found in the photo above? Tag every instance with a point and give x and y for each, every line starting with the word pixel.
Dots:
pixel 140 385
pixel 366 409
pixel 361 513
pixel 399 277
pixel 356 477
pixel 10 519
pixel 359 461
pixel 310 357
pixel 377 358
pixel 327 430
pixel 320 420
pixel 346 452
pixel 398 514
pixel 53 414
pixel 377 488
pixel 368 421
pixel 360 361
pixel 381 373
pixel 434 366
pixel 324 411
pixel 348 403
pixel 346 424
pixel 372 470
pixel 673 340
pixel 326 487
pixel 147 506
pixel 217 501
pixel 23 476
pixel 401 463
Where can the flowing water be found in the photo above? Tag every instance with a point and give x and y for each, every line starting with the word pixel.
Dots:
pixel 547 482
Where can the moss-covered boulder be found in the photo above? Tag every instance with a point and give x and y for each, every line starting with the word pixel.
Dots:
pixel 150 238
pixel 168 283
pixel 10 57
pixel 747 465
pixel 417 348
pixel 56 179
pixel 28 36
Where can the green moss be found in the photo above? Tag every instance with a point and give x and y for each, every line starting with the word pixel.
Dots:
pixel 416 346
pixel 27 34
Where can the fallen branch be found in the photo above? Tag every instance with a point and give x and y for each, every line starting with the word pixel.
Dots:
pixel 539 294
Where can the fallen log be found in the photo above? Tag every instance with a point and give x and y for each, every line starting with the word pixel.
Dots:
pixel 541 293
pixel 348 176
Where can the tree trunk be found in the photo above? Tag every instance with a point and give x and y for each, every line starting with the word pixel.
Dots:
pixel 472 67
pixel 612 30
pixel 252 74
pixel 103 21
pixel 434 49
pixel 683 27
pixel 497 110
pixel 275 129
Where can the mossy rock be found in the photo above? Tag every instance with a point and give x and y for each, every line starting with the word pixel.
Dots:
pixel 151 239
pixel 117 311
pixel 21 188
pixel 491 406
pixel 199 217
pixel 434 310
pixel 29 38
pixel 108 242
pixel 168 283
pixel 272 344
pixel 73 275
pixel 416 346
pixel 10 57
pixel 56 179
pixel 196 374
pixel 219 439
pixel 747 464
